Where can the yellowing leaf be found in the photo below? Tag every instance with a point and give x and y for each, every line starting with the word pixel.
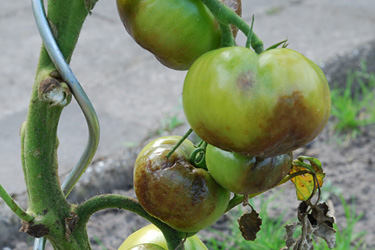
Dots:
pixel 305 183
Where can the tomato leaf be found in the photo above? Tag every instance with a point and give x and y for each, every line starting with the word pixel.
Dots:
pixel 249 224
pixel 305 183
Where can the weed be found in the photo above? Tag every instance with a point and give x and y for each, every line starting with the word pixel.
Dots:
pixel 169 124
pixel 99 242
pixel 353 106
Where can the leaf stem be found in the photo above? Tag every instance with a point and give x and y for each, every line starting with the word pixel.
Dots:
pixel 22 214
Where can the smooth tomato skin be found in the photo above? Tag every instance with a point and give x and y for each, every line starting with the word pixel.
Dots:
pixel 152 235
pixel 176 32
pixel 146 246
pixel 241 174
pixel 184 197
pixel 258 105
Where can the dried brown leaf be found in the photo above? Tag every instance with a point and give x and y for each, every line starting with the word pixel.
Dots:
pixel 249 224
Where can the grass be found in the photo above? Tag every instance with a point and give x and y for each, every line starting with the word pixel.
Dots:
pixel 170 123
pixel 354 107
pixel 272 233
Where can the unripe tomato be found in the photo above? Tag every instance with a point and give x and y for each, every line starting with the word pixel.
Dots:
pixel 258 105
pixel 176 32
pixel 183 196
pixel 241 174
pixel 150 236
pixel 147 246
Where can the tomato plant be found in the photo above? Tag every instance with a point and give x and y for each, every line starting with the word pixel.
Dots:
pixel 258 105
pixel 173 190
pixel 150 236
pixel 242 174
pixel 176 32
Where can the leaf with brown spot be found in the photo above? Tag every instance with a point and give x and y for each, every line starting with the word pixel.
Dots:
pixel 305 183
pixel 249 224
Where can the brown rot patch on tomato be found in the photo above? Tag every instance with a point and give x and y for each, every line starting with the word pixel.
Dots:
pixel 246 80
pixel 292 124
pixel 174 194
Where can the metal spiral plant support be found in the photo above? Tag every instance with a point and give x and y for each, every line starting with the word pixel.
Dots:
pixel 78 93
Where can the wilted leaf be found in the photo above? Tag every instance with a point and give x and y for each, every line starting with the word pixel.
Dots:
pixel 314 219
pixel 323 216
pixel 304 183
pixel 290 229
pixel 249 224
pixel 318 221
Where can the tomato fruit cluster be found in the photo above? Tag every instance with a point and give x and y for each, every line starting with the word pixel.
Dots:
pixel 151 238
pixel 257 105
pixel 251 109
pixel 176 32
pixel 173 190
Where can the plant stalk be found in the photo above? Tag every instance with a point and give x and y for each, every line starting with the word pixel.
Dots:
pixel 90 206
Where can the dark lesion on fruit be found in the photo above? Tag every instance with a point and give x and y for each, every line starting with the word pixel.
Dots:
pixel 279 129
pixel 246 80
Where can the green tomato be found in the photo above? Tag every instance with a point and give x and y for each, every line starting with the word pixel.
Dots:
pixel 183 196
pixel 150 236
pixel 258 105
pixel 147 246
pixel 246 175
pixel 176 32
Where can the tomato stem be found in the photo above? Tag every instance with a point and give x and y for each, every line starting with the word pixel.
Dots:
pixel 227 39
pixel 227 16
pixel 179 143
pixel 106 201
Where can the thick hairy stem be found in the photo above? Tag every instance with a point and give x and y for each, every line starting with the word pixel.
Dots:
pixel 46 200
pixel 89 207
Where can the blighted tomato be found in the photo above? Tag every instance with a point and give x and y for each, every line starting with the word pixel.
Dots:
pixel 242 174
pixel 176 32
pixel 151 238
pixel 258 105
pixel 183 196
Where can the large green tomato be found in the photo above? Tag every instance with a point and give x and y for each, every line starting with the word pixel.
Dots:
pixel 176 32
pixel 258 105
pixel 151 238
pixel 183 196
pixel 241 174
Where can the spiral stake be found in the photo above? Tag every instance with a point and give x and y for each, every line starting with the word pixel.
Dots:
pixel 79 94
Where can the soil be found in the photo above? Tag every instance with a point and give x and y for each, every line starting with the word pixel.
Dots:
pixel 349 165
